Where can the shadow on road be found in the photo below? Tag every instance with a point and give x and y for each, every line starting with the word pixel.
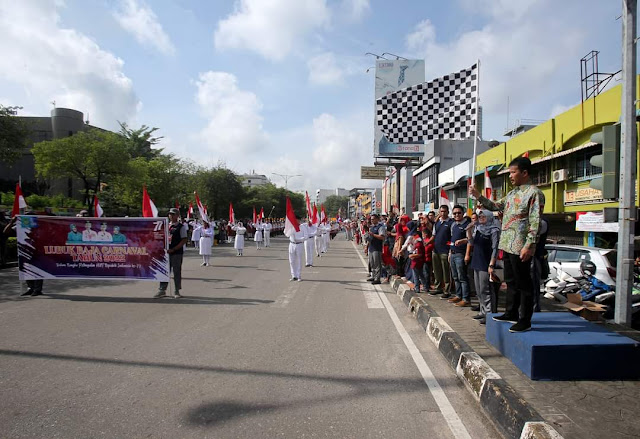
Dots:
pixel 184 300
pixel 212 413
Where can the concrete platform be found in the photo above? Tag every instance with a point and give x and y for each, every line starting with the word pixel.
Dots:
pixel 562 346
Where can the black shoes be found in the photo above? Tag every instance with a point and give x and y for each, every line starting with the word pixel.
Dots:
pixel 159 295
pixel 520 327
pixel 446 296
pixel 369 279
pixel 36 293
pixel 376 282
pixel 27 293
pixel 475 308
pixel 505 318
pixel 478 317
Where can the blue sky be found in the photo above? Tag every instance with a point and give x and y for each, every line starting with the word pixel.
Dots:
pixel 281 85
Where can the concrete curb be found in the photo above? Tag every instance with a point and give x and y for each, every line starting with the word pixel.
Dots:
pixel 510 413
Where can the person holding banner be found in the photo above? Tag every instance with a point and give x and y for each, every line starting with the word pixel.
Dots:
pixel 178 238
pixel 206 242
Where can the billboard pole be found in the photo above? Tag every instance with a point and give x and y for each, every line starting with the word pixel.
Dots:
pixel 472 180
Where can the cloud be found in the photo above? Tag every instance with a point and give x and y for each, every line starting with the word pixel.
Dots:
pixel 324 70
pixel 234 127
pixel 355 10
pixel 42 62
pixel 138 18
pixel 273 29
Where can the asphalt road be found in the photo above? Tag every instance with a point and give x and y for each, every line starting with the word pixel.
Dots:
pixel 245 354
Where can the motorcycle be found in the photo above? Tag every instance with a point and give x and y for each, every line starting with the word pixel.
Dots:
pixel 558 287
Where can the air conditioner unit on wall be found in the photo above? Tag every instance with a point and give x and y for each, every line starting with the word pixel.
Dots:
pixel 560 175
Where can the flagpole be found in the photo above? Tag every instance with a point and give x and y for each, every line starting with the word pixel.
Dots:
pixel 472 180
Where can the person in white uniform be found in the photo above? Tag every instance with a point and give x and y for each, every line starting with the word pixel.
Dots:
pixel 308 243
pixel 319 240
pixel 267 233
pixel 239 242
pixel 206 242
pixel 258 235
pixel 296 242
pixel 196 234
pixel 325 237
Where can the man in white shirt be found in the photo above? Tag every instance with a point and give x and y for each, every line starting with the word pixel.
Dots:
pixel 308 244
pixel 296 242
pixel 267 232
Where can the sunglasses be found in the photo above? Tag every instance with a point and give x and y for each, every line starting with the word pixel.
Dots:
pixel 457 213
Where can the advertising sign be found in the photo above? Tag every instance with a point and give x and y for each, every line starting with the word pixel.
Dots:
pixel 584 195
pixel 372 173
pixel 594 222
pixel 391 76
pixel 99 248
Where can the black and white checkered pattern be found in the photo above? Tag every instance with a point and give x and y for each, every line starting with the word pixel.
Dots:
pixel 444 108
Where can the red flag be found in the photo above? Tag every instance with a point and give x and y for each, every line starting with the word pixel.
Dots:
pixel 290 223
pixel 190 211
pixel 488 189
pixel 97 209
pixel 309 211
pixel 18 201
pixel 262 213
pixel 255 219
pixel 203 212
pixel 323 214
pixel 232 215
pixel 526 154
pixel 149 209
pixel 314 218
pixel 444 200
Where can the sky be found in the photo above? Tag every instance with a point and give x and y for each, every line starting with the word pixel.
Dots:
pixel 281 86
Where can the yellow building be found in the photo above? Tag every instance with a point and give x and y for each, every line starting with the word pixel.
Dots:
pixel 560 149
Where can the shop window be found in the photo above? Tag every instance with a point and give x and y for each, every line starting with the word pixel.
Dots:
pixel 540 174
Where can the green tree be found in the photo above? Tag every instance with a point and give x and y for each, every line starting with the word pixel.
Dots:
pixel 14 134
pixel 333 203
pixel 271 198
pixel 92 156
pixel 218 187
pixel 141 141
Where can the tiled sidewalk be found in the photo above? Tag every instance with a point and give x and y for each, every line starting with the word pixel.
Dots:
pixel 576 409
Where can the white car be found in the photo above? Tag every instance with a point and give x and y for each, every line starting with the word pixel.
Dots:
pixel 570 256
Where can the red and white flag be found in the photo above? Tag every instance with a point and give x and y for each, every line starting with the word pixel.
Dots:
pixel 261 218
pixel 201 209
pixel 315 220
pixel 255 217
pixel 309 211
pixel 190 211
pixel 323 214
pixel 149 209
pixel 232 215
pixel 290 222
pixel 488 189
pixel 97 209
pixel 526 154
pixel 18 201
pixel 444 200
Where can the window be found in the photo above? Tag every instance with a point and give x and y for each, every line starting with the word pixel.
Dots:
pixel 582 169
pixel 540 174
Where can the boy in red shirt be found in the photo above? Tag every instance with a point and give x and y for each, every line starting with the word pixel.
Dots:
pixel 417 262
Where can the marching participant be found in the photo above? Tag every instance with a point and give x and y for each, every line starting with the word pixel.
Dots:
pixel 312 229
pixel 266 227
pixel 206 241
pixel 239 241
pixel 196 234
pixel 297 237
pixel 258 235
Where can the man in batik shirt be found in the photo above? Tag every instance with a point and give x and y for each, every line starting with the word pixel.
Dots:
pixel 520 225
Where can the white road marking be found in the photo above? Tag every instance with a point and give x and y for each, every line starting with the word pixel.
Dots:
pixel 453 420
pixel 371 296
pixel 283 299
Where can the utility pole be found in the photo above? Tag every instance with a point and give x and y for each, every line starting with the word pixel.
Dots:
pixel 628 171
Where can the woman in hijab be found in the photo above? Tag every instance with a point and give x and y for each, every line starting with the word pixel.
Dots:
pixel 483 239
pixel 206 241
pixel 239 242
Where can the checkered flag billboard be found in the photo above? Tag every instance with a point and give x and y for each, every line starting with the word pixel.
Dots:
pixel 444 108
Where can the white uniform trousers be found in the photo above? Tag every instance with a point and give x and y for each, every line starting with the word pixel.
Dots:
pixel 295 259
pixel 318 240
pixel 326 238
pixel 308 251
pixel 267 238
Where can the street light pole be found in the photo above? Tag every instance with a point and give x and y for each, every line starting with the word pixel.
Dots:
pixel 286 177
pixel 628 163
